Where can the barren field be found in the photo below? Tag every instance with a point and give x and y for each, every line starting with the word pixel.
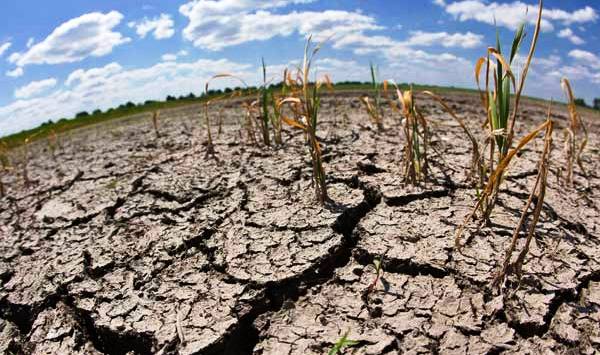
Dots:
pixel 128 243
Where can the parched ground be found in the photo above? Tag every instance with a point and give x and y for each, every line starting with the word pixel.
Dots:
pixel 128 243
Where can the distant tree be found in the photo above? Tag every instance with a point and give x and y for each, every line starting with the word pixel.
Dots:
pixel 191 96
pixel 129 104
pixel 110 110
pixel 171 98
pixel 62 120
pixel 580 102
pixel 82 114
pixel 149 102
pixel 97 111
pixel 48 123
pixel 597 103
pixel 228 90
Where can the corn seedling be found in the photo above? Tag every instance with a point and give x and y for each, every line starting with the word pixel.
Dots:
pixel 373 106
pixel 305 106
pixel 416 133
pixel 576 135
pixel 497 100
pixel 155 116
pixel 378 264
pixel 25 162
pixel 342 343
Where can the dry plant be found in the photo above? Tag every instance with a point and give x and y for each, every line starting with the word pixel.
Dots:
pixel 497 102
pixel 373 107
pixel 576 135
pixel 501 121
pixel 536 198
pixel 264 97
pixel 304 101
pixel 417 135
pixel 155 116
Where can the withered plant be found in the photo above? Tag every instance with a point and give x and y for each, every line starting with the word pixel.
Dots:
pixel 373 106
pixel 304 101
pixel 155 116
pixel 575 137
pixel 416 134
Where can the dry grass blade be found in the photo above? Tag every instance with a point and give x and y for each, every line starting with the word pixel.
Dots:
pixel 496 176
pixel 477 168
pixel 537 196
pixel 576 134
pixel 155 116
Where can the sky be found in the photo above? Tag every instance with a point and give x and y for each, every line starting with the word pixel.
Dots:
pixel 61 57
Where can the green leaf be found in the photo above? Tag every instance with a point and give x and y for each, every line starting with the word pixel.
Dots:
pixel 342 343
pixel 519 36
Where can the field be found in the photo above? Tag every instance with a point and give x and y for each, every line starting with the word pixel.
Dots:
pixel 116 239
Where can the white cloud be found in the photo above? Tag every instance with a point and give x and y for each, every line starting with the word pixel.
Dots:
pixel 169 57
pixel 444 39
pixel 15 73
pixel 88 35
pixel 30 42
pixel 511 15
pixel 161 27
pixel 112 85
pixel 34 88
pixel 571 36
pixel 93 76
pixel 4 47
pixel 215 25
pixel 588 58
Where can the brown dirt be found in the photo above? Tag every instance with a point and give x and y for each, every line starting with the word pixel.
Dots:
pixel 125 243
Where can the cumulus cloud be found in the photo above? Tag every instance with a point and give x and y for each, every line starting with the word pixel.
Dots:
pixel 161 27
pixel 215 25
pixel 444 39
pixel 170 57
pixel 34 88
pixel 511 15
pixel 588 58
pixel 4 47
pixel 571 36
pixel 112 85
pixel 15 73
pixel 88 35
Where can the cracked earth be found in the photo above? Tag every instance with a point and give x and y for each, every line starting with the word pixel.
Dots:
pixel 125 243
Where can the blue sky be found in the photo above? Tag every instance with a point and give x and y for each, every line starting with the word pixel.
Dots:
pixel 61 57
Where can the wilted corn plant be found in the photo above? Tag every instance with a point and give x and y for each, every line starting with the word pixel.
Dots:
pixel 502 133
pixel 416 133
pixel 304 103
pixel 536 197
pixel 274 99
pixel 576 135
pixel 497 101
pixel 373 107
pixel 155 116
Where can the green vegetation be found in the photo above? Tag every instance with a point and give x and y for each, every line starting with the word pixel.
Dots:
pixel 342 343
pixel 374 109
